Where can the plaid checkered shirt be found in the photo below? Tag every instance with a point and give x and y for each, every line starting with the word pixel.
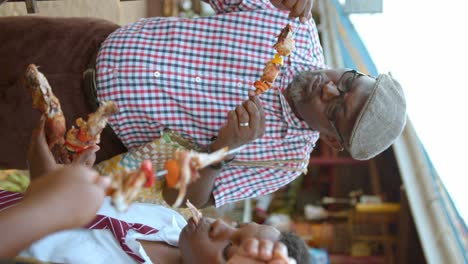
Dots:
pixel 186 74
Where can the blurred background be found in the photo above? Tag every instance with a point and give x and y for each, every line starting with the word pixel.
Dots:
pixel 406 204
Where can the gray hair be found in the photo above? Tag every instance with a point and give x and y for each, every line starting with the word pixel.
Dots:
pixel 295 91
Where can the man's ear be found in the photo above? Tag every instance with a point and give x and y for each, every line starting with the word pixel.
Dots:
pixel 332 141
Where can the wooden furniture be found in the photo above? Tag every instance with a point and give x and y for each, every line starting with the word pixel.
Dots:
pixel 168 8
pixel 371 223
pixel 31 5
pixel 368 224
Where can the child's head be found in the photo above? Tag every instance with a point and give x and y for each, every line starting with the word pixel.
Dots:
pixel 214 241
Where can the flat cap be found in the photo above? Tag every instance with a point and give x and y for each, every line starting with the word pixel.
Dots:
pixel 380 121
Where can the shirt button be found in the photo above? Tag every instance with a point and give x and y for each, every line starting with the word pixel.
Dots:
pixel 198 79
pixel 115 73
pixel 156 74
pixel 239 84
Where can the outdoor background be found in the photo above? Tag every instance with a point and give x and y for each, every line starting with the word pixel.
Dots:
pixel 423 44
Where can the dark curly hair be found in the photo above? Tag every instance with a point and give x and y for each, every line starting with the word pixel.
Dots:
pixel 297 248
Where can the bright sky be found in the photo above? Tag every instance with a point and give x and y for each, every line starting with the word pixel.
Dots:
pixel 424 45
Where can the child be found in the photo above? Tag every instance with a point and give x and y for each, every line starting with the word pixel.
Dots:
pixel 66 198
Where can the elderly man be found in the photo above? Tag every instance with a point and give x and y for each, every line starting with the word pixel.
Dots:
pixel 192 77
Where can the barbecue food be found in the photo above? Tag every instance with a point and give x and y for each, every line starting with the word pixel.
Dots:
pixel 44 100
pixel 85 135
pixel 286 43
pixel 88 133
pixel 183 169
pixel 284 47
pixel 126 185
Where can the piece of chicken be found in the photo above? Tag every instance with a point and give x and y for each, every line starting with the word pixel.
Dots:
pixel 125 186
pixel 44 100
pixel 270 72
pixel 88 133
pixel 183 169
pixel 286 43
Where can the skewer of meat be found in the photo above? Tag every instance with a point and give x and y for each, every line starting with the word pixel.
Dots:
pixel 126 185
pixel 284 47
pixel 44 100
pixel 88 133
pixel 183 168
pixel 286 43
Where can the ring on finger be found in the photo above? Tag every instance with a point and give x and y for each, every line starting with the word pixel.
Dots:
pixel 244 124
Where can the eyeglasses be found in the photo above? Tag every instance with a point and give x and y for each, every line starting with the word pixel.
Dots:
pixel 344 85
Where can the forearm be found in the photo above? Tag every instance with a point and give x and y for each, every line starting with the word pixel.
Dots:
pixel 41 167
pixel 20 226
pixel 199 192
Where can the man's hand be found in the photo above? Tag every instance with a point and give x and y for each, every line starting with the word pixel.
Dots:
pixel 297 8
pixel 70 196
pixel 256 251
pixel 41 159
pixel 244 125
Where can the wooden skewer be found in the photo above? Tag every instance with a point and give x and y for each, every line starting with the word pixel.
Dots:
pixel 297 29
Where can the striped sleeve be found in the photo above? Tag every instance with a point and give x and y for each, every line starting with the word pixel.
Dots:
pixel 9 199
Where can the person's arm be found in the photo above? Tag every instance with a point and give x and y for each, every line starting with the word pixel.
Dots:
pixel 18 231
pixel 199 192
pixel 301 9
pixel 232 135
pixel 58 197
pixel 40 158
pixel 66 198
pixel 224 7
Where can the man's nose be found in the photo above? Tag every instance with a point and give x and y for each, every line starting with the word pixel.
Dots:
pixel 329 91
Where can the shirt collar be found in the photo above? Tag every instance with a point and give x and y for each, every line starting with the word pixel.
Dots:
pixel 291 119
